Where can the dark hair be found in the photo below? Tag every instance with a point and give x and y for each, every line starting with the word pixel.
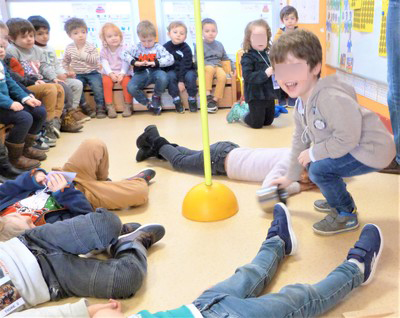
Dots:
pixel 287 11
pixel 18 26
pixel 74 23
pixel 302 44
pixel 39 22
pixel 208 21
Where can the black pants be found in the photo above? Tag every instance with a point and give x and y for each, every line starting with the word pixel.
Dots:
pixel 261 113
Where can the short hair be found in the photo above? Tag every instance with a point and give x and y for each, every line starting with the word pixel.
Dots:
pixel 74 23
pixel 108 26
pixel 145 29
pixel 39 22
pixel 176 24
pixel 302 44
pixel 287 10
pixel 8 230
pixel 208 21
pixel 18 26
pixel 248 30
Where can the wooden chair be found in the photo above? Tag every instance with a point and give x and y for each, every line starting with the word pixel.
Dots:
pixel 239 55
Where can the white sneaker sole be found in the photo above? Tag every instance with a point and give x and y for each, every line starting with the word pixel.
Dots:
pixel 371 275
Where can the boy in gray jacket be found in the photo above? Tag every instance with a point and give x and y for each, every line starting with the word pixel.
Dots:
pixel 334 136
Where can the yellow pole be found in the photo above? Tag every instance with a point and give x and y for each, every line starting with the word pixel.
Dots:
pixel 202 93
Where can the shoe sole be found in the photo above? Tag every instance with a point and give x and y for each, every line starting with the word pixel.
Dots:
pixel 321 209
pixel 56 132
pixel 290 228
pixel 336 232
pixel 372 273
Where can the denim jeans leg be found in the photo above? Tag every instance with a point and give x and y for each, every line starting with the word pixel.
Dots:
pixel 22 122
pixel 136 85
pixel 83 78
pixel 191 83
pixel 393 57
pixel 39 117
pixel 160 80
pixel 96 84
pixel 173 89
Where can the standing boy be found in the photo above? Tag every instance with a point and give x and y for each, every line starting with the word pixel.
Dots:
pixel 147 59
pixel 181 75
pixel 334 136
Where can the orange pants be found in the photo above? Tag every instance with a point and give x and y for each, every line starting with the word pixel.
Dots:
pixel 90 162
pixel 52 96
pixel 108 85
pixel 219 73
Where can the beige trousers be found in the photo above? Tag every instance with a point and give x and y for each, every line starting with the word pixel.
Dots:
pixel 52 96
pixel 219 73
pixel 90 162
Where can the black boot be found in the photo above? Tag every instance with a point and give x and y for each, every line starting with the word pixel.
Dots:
pixel 158 143
pixel 7 171
pixel 146 139
pixel 146 152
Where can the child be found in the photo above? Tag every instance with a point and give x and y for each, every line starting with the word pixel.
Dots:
pixel 240 295
pixel 181 75
pixel 214 54
pixel 257 74
pixel 334 136
pixel 72 87
pixel 26 115
pixel 33 61
pixel 289 17
pixel 115 70
pixel 226 159
pixel 43 262
pixel 81 60
pixel 147 58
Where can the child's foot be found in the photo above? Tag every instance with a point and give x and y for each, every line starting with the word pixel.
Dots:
pixel 336 222
pixel 322 206
pixel 155 106
pixel 212 106
pixel 129 228
pixel 80 117
pixel 147 175
pixel 145 153
pixel 111 113
pixel 367 250
pixel 69 124
pixel 192 105
pixel 128 109
pixel 282 226
pixel 178 106
pixel 147 137
pixel 234 114
pixel 101 113
pixel 87 110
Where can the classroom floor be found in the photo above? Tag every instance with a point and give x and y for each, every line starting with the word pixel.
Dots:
pixel 194 256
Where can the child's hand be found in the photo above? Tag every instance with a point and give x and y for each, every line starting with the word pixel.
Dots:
pixel 233 74
pixel 40 82
pixel 58 81
pixel 62 77
pixel 282 182
pixel 151 64
pixel 120 78
pixel 304 157
pixel 269 71
pixel 112 309
pixel 114 77
pixel 181 86
pixel 71 74
pixel 138 64
pixel 40 177
pixel 33 102
pixel 56 182
pixel 16 106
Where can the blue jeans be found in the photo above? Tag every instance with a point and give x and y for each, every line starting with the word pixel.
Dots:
pixel 27 121
pixel 393 57
pixel 95 81
pixel 328 175
pixel 192 161
pixel 189 80
pixel 238 296
pixel 144 78
pixel 57 246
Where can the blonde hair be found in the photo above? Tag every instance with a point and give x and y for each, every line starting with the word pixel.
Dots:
pixel 8 229
pixel 109 26
pixel 146 28
pixel 249 28
pixel 175 24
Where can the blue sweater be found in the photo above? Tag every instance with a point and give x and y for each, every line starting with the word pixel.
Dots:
pixel 9 89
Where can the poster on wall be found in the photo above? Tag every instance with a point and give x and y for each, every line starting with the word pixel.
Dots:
pixel 382 37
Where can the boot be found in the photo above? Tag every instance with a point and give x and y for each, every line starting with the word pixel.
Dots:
pixel 146 139
pixel 17 159
pixel 31 152
pixel 127 110
pixel 87 110
pixel 7 171
pixel 111 113
pixel 69 124
pixel 158 143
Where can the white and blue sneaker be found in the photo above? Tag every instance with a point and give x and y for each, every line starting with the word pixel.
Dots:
pixel 282 226
pixel 367 250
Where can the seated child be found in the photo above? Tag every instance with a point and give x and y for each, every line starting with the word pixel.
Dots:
pixel 241 294
pixel 81 61
pixel 43 262
pixel 72 87
pixel 289 17
pixel 115 70
pixel 33 61
pixel 182 74
pixel 257 73
pixel 214 54
pixel 334 136
pixel 227 158
pixel 147 59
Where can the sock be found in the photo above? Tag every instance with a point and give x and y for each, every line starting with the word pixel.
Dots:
pixel 360 265
pixel 177 98
pixel 191 98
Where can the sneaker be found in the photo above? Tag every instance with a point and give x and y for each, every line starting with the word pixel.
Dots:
pixel 367 250
pixel 211 104
pixel 129 228
pixel 147 235
pixel 178 106
pixel 155 105
pixel 147 175
pixel 147 137
pixel 50 130
pixel 111 113
pixel 56 122
pixel 282 226
pixel 40 145
pixel 335 223
pixel 101 113
pixel 393 168
pixel 322 206
pixel 87 110
pixel 48 141
pixel 234 113
pixel 192 105
pixel 79 117
pixel 69 124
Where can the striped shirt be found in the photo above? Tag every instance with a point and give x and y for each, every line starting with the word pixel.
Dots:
pixel 81 61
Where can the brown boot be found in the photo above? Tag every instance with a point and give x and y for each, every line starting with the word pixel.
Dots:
pixel 69 124
pixel 79 117
pixel 111 113
pixel 33 153
pixel 18 160
pixel 127 110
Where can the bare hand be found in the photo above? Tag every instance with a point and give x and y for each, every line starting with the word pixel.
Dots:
pixel 16 106
pixel 62 77
pixel 138 64
pixel 58 81
pixel 71 74
pixel 282 182
pixel 113 77
pixel 56 182
pixel 40 177
pixel 112 308
pixel 269 71
pixel 151 64
pixel 304 157
pixel 33 102
pixel 181 86
pixel 120 78
pixel 40 82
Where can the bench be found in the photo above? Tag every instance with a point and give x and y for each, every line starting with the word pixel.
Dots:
pixel 3 132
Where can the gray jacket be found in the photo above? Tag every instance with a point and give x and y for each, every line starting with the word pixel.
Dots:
pixel 334 124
